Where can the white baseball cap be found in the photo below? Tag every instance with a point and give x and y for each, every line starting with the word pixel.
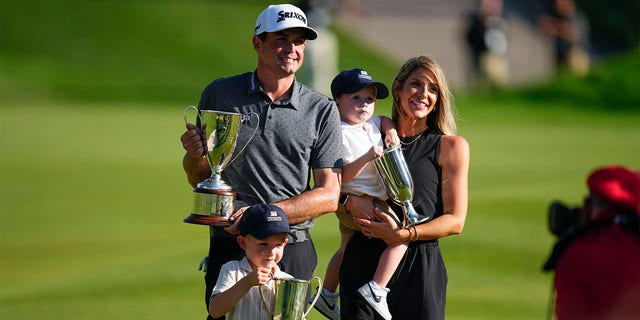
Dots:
pixel 283 16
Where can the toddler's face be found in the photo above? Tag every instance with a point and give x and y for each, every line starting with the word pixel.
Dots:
pixel 264 252
pixel 357 107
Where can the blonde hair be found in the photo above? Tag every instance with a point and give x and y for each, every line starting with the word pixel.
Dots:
pixel 442 118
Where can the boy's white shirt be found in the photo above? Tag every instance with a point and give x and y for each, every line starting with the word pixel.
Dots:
pixel 357 140
pixel 250 306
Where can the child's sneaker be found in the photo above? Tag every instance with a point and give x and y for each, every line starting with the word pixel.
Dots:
pixel 376 297
pixel 327 304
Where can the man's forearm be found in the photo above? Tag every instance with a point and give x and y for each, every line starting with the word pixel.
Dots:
pixel 197 169
pixel 321 199
pixel 309 205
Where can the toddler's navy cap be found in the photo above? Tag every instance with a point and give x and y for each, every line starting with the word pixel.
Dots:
pixel 350 81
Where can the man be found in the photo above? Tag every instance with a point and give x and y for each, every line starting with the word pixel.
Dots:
pixel 298 133
pixel 598 272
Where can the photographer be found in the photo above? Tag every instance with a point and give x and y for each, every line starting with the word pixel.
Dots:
pixel 597 258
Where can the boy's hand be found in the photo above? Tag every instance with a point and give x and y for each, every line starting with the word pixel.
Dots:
pixel 391 138
pixel 260 276
pixel 375 152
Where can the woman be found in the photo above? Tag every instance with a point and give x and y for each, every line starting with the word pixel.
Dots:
pixel 439 165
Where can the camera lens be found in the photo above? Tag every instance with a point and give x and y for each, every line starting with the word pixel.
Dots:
pixel 562 217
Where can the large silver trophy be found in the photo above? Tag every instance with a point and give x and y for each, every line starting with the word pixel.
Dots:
pixel 213 198
pixel 397 179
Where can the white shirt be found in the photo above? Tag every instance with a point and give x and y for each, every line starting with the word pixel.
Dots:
pixel 250 306
pixel 357 140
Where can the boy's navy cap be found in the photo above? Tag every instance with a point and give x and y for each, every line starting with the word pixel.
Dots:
pixel 263 220
pixel 283 16
pixel 350 81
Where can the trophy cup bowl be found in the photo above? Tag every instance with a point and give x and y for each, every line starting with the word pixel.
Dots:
pixel 395 173
pixel 289 300
pixel 213 198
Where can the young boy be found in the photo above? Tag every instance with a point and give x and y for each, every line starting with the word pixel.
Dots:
pixel 263 235
pixel 355 93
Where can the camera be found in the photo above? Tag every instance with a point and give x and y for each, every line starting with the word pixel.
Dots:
pixel 563 218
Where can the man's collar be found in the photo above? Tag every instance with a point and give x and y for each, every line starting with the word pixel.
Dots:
pixel 254 84
pixel 294 100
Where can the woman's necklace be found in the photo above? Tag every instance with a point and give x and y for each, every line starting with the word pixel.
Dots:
pixel 405 145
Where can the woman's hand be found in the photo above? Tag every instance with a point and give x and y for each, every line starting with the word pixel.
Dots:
pixel 383 226
pixel 360 206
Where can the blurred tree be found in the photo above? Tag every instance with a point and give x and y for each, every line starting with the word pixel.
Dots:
pixel 615 24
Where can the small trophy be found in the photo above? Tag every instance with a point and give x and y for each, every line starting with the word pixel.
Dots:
pixel 288 298
pixel 397 180
pixel 213 198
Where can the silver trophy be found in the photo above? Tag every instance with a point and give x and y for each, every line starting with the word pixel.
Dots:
pixel 213 198
pixel 397 180
pixel 288 298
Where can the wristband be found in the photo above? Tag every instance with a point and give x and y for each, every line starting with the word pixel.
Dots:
pixel 410 236
pixel 344 197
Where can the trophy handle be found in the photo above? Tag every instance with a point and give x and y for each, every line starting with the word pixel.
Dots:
pixel 317 295
pixel 264 303
pixel 189 108
pixel 246 117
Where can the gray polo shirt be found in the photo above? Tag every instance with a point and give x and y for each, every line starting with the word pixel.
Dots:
pixel 293 137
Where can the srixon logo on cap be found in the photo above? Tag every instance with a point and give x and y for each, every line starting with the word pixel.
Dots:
pixel 282 15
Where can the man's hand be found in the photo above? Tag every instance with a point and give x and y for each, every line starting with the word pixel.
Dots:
pixel 235 218
pixel 193 141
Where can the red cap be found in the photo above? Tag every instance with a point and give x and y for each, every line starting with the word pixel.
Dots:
pixel 618 185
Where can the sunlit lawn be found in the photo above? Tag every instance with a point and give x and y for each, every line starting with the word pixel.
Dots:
pixel 92 198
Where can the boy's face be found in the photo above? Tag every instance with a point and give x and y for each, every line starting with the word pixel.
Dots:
pixel 263 252
pixel 356 108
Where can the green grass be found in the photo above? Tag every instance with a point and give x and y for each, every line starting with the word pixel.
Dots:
pixel 92 193
pixel 93 196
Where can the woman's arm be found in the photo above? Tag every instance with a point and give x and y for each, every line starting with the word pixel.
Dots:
pixel 454 160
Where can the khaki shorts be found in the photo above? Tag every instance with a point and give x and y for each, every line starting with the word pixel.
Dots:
pixel 346 223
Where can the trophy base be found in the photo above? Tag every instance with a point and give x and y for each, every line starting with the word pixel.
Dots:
pixel 207 220
pixel 211 207
pixel 417 222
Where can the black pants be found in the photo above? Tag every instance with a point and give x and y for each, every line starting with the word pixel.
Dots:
pixel 418 287
pixel 299 259
pixel 358 267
